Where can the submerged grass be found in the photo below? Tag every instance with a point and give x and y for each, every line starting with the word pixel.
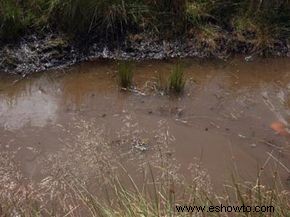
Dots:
pixel 125 74
pixel 176 80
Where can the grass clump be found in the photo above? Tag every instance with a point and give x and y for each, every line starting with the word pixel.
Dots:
pixel 262 23
pixel 22 17
pixel 106 18
pixel 125 74
pixel 11 23
pixel 176 81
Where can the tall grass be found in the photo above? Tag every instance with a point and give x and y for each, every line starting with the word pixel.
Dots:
pixel 12 19
pixel 266 20
pixel 87 16
pixel 17 17
pixel 161 199
pixel 113 20
pixel 155 198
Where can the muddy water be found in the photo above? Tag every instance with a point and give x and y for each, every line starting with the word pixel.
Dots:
pixel 79 120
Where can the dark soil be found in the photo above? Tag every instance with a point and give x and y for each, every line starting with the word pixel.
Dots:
pixel 38 53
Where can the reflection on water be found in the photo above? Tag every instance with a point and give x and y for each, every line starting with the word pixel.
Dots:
pixel 35 109
pixel 28 102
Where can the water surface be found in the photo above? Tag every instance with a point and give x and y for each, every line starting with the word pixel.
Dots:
pixel 221 121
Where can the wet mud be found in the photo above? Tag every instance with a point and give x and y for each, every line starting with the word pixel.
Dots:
pixel 34 53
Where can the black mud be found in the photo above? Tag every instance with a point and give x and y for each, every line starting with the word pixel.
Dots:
pixel 38 53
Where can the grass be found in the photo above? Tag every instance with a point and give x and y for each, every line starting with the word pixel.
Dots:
pixel 173 83
pixel 125 74
pixel 176 80
pixel 155 198
pixel 163 199
pixel 114 20
pixel 23 17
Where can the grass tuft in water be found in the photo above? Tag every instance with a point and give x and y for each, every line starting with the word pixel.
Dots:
pixel 176 81
pixel 125 74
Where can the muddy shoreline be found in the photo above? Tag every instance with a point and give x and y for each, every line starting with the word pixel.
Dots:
pixel 36 53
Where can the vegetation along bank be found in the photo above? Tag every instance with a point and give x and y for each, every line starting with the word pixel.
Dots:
pixel 39 34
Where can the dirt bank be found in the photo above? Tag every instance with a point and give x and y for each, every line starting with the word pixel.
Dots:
pixel 41 52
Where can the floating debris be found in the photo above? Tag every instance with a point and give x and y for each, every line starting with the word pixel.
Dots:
pixel 141 145
pixel 242 136
pixel 253 145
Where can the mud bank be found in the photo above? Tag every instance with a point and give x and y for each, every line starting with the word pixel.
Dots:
pixel 38 53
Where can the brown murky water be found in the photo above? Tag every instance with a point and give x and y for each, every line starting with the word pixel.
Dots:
pixel 221 121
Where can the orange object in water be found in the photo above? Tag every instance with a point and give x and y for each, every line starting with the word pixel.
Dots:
pixel 280 128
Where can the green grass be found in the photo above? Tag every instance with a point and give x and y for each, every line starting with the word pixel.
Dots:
pixel 115 19
pixel 172 83
pixel 125 74
pixel 22 17
pixel 176 81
